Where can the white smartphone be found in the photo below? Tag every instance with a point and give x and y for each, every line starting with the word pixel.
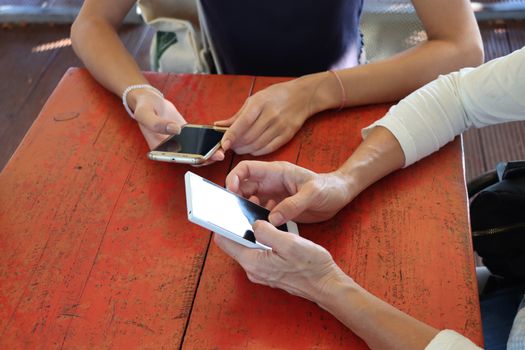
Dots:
pixel 224 212
pixel 194 145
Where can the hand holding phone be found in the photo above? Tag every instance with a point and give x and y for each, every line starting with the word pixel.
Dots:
pixel 156 115
pixel 194 145
pixel 215 208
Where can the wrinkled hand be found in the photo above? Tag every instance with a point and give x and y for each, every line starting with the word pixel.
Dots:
pixel 294 264
pixel 268 119
pixel 289 191
pixel 158 119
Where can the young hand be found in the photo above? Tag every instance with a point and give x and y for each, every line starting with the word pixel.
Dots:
pixel 158 119
pixel 269 118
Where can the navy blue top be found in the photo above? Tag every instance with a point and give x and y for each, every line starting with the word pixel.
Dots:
pixel 284 37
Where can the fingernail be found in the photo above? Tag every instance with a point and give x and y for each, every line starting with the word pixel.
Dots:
pixel 276 219
pixel 173 129
pixel 226 145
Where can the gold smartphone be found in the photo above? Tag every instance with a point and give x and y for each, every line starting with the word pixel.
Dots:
pixel 194 145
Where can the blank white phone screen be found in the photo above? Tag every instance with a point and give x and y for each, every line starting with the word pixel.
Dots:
pixel 216 205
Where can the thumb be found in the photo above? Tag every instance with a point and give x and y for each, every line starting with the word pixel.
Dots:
pixel 293 206
pixel 226 122
pixel 154 123
pixel 226 141
pixel 270 236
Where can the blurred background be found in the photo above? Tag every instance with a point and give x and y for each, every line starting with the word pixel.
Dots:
pixel 35 52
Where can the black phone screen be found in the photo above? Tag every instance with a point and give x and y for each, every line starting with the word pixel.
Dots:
pixel 225 209
pixel 192 140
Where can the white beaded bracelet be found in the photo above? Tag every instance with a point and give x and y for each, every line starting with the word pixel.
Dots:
pixel 134 87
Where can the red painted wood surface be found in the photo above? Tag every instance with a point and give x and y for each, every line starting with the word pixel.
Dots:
pixel 406 239
pixel 96 250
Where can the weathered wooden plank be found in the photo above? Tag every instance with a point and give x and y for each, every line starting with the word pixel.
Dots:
pixel 142 284
pixel 58 194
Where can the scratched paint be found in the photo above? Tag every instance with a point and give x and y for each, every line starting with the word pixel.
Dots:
pixel 96 250
pixel 395 239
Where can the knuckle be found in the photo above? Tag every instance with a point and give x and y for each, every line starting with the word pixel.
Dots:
pixel 274 113
pixel 159 128
pixel 292 204
pixel 315 187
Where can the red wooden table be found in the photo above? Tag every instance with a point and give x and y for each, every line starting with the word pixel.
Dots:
pixel 96 250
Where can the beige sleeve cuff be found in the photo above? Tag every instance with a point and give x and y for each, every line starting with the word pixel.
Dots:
pixel 450 340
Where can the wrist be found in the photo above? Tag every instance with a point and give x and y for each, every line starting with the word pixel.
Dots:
pixel 377 156
pixel 135 96
pixel 133 93
pixel 347 183
pixel 338 291
pixel 324 90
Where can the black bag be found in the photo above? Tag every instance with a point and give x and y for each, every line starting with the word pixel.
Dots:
pixel 497 214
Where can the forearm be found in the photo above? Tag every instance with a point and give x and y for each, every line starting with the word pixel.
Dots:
pixel 393 78
pixel 377 156
pixel 378 323
pixel 98 45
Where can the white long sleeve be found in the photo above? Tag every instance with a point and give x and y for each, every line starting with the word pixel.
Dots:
pixel 432 116
pixel 450 340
